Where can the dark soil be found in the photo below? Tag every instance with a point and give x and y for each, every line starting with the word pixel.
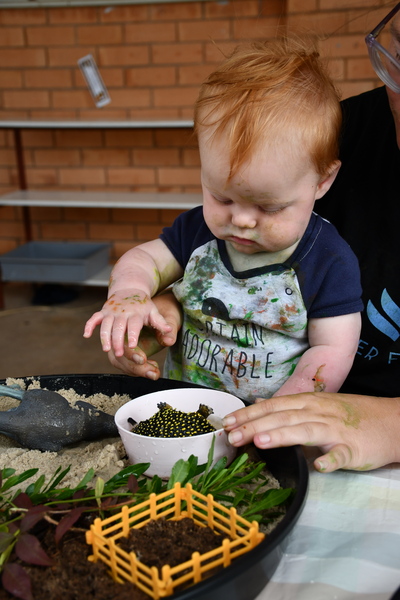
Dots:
pixel 73 577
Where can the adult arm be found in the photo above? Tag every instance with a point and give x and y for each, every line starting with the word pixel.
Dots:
pixel 138 275
pixel 353 432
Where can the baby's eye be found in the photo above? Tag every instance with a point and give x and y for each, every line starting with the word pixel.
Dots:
pixel 271 210
pixel 222 200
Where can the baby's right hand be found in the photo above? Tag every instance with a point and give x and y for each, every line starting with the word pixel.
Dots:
pixel 125 313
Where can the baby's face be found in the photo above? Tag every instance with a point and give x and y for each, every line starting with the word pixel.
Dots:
pixel 267 205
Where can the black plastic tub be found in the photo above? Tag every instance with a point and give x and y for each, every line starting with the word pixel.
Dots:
pixel 250 573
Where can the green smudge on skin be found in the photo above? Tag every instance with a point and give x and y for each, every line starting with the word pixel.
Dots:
pixel 136 299
pixel 352 418
pixel 366 467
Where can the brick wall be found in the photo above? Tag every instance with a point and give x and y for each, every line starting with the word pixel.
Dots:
pixel 152 59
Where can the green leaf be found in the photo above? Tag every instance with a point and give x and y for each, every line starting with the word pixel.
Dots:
pixel 85 480
pixel 98 490
pixel 271 498
pixel 56 479
pixel 14 480
pixel 180 472
pixel 34 488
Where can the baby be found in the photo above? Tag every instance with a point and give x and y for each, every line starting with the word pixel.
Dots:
pixel 270 293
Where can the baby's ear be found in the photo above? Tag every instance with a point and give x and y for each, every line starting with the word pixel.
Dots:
pixel 326 183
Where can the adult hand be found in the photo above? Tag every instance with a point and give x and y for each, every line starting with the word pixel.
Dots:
pixel 353 432
pixel 125 313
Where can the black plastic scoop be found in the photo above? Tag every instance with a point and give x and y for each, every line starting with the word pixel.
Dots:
pixel 45 420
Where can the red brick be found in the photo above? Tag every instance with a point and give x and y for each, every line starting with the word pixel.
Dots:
pixel 74 98
pixel 67 57
pixel 10 79
pixel 124 14
pixel 175 12
pixel 81 176
pixel 346 4
pixel 99 35
pixel 64 231
pixel 155 114
pixel 151 76
pixel 103 157
pixel 345 46
pixel 131 138
pixel 72 14
pixel 37 138
pixel 234 8
pixel 150 32
pixel 123 55
pixel 191 157
pixel 194 74
pixel 135 215
pixel 169 216
pixel 110 231
pixel 215 53
pixel 26 99
pixel 175 137
pixel 53 115
pixel 5 178
pixel 9 229
pixel 273 7
pixel 50 36
pixel 177 53
pixel 55 157
pixel 360 68
pixel 201 30
pixel 7 157
pixel 103 114
pixel 156 156
pixel 46 213
pixel 130 98
pixel 261 28
pixel 294 6
pixel 317 23
pixel 185 176
pixel 48 78
pixel 148 232
pixel 11 36
pixel 23 57
pixel 78 138
pixel 352 88
pixel 176 96
pixel 41 177
pixel 25 16
pixel 131 176
pixel 87 214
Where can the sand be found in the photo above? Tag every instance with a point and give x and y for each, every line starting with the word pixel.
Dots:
pixel 106 456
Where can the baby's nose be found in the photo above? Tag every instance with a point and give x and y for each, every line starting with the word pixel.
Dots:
pixel 244 218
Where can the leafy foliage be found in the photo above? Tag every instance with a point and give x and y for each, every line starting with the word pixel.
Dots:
pixel 241 484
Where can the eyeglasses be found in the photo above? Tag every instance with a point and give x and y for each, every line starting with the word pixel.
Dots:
pixel 386 61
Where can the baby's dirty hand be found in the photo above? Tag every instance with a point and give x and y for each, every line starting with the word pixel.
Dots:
pixel 124 314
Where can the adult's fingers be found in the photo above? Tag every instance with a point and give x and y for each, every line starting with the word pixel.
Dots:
pixel 287 431
pixel 338 457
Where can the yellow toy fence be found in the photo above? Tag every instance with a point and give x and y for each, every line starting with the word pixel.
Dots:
pixel 173 504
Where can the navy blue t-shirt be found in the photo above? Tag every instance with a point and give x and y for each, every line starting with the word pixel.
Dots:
pixel 244 332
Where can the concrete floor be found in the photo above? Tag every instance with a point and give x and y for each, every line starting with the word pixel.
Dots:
pixel 47 339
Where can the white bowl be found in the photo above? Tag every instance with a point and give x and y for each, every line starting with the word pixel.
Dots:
pixel 162 453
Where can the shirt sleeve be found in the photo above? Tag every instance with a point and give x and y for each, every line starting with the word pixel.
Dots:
pixel 329 274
